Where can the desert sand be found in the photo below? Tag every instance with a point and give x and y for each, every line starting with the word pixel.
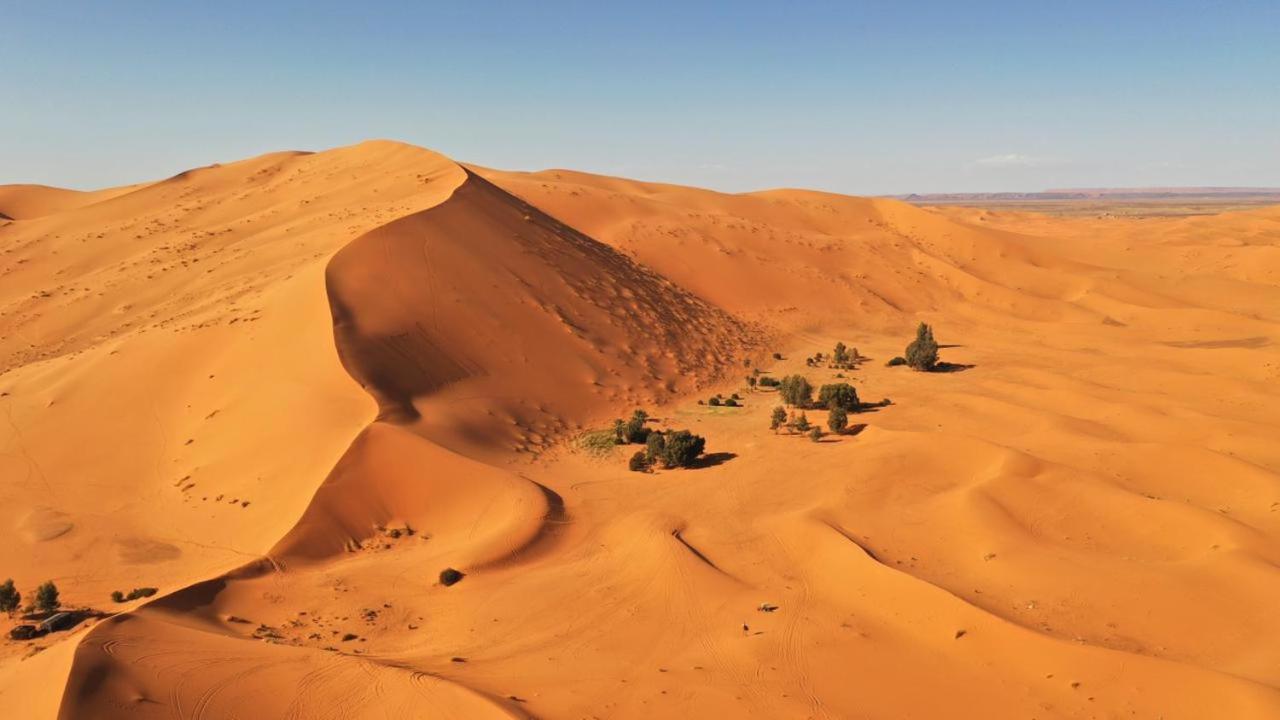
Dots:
pixel 290 391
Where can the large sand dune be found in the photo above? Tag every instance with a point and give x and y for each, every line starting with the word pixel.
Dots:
pixel 290 391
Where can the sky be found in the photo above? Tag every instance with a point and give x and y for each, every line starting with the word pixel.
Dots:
pixel 853 97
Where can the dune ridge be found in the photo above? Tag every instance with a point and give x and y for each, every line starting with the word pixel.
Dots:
pixel 1079 521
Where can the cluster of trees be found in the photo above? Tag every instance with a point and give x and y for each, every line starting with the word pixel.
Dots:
pixel 841 358
pixel 46 599
pixel 671 448
pixel 797 391
pixel 793 422
pixel 921 354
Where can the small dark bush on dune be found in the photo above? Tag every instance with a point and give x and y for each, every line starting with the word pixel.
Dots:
pixel 922 353
pixel 837 420
pixel 10 598
pixel 894 362
pixel 778 418
pixel 639 462
pixel 634 429
pixel 449 576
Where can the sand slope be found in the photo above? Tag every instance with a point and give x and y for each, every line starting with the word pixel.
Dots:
pixel 1082 520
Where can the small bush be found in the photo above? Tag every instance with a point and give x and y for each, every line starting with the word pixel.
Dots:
pixel 894 362
pixel 837 420
pixel 633 430
pixel 922 353
pixel 639 462
pixel 654 446
pixel 801 424
pixel 815 434
pixel 777 356
pixel 10 598
pixel 449 576
pixel 117 596
pixel 47 597
pixel 599 442
pixel 767 381
pixel 731 402
pixel 778 418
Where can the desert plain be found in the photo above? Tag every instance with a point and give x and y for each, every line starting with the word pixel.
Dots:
pixel 289 392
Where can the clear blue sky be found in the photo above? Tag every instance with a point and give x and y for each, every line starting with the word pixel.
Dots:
pixel 866 98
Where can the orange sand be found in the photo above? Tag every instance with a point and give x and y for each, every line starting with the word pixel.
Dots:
pixel 244 384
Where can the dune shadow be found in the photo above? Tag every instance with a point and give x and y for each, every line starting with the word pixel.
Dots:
pixel 712 459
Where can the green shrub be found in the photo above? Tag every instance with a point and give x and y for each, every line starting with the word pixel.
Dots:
pixel 599 442
pixel 894 362
pixel 654 446
pixel 117 596
pixel 640 461
pixel 777 356
pixel 837 420
pixel 801 423
pixel 449 576
pixel 682 448
pixel 796 390
pixel 841 395
pixel 731 402
pixel 840 355
pixel 633 430
pixel 47 597
pixel 778 418
pixel 922 353
pixel 714 402
pixel 10 598
pixel 767 381
pixel 815 434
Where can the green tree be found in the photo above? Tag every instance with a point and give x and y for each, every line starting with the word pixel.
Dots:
pixel 778 418
pixel 10 598
pixel 47 597
pixel 633 430
pixel 837 420
pixel 922 353
pixel 654 446
pixel 801 424
pixel 840 356
pixel 682 449
pixel 639 462
pixel 796 390
pixel 842 395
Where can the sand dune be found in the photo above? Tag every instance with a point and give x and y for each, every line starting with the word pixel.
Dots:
pixel 290 391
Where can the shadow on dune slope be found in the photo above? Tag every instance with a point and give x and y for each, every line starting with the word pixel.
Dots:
pixel 480 326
